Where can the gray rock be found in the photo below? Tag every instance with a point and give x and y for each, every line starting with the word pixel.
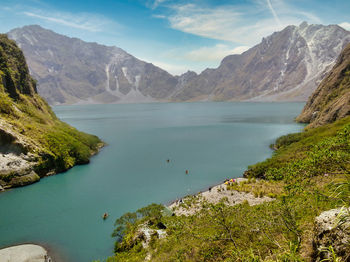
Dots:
pixel 24 253
pixel 332 230
pixel 24 180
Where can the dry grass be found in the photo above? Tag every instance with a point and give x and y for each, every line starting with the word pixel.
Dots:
pixel 259 188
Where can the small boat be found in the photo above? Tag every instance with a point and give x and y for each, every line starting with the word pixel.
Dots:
pixel 105 215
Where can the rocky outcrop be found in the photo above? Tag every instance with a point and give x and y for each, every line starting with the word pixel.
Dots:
pixel 144 234
pixel 332 235
pixel 12 60
pixel 33 142
pixel 331 100
pixel 24 253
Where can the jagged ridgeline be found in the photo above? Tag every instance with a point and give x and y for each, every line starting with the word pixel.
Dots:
pixel 33 141
pixel 286 66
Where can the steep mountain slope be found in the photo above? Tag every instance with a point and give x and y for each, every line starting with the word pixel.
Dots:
pixel 70 70
pixel 331 100
pixel 33 142
pixel 287 65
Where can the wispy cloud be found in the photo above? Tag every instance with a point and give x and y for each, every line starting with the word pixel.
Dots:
pixel 156 3
pixel 159 16
pixel 213 53
pixel 212 23
pixel 84 21
pixel 345 25
pixel 273 12
pixel 171 68
pixel 242 24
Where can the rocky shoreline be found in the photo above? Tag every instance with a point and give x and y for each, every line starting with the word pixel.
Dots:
pixel 25 253
pixel 23 165
pixel 192 204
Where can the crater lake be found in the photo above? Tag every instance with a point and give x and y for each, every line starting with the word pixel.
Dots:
pixel 213 141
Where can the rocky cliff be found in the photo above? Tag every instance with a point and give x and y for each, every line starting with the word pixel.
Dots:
pixel 331 100
pixel 33 142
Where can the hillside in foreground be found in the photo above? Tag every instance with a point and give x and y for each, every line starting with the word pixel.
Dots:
pixel 33 142
pixel 307 182
pixel 331 100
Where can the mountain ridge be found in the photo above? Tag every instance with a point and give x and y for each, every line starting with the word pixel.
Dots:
pixel 286 66
pixel 70 70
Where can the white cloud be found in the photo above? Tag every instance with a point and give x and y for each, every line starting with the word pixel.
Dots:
pixel 345 25
pixel 171 68
pixel 214 53
pixel 309 17
pixel 84 21
pixel 243 24
pixel 212 23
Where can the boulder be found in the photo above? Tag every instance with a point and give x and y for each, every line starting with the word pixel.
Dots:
pixel 24 180
pixel 332 235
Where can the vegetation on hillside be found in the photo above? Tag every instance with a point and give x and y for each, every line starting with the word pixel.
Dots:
pixel 29 123
pixel 303 174
pixel 299 147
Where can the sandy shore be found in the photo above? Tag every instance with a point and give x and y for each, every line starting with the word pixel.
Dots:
pixel 215 195
pixel 24 253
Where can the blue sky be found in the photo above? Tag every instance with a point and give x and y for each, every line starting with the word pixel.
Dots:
pixel 175 35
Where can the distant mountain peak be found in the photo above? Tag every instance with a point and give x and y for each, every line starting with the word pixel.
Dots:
pixel 303 25
pixel 287 65
pixel 70 70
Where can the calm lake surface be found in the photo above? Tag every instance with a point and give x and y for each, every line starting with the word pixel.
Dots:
pixel 213 141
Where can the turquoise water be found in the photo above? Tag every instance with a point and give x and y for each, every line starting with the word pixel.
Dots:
pixel 213 141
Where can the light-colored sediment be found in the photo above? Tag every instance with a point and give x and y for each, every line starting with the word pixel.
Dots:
pixel 214 196
pixel 11 162
pixel 24 253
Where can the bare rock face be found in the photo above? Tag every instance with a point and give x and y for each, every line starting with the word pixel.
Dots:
pixel 331 100
pixel 70 70
pixel 332 235
pixel 24 253
pixel 286 66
